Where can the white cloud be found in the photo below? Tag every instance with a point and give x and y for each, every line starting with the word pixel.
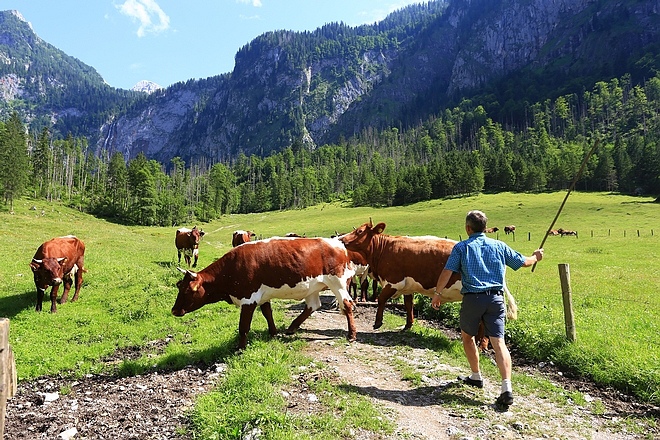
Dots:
pixel 148 14
pixel 255 3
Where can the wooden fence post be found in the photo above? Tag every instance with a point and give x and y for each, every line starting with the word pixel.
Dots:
pixel 565 278
pixel 7 372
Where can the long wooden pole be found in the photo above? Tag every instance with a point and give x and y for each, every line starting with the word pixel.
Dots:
pixel 575 179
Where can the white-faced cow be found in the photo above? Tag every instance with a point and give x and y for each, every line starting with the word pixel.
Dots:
pixel 240 237
pixel 254 273
pixel 57 261
pixel 187 243
pixel 405 265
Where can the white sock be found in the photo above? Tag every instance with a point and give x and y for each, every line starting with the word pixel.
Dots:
pixel 476 375
pixel 506 386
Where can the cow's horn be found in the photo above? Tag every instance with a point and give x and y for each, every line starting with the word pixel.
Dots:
pixel 37 261
pixel 371 224
pixel 192 274
pixel 181 270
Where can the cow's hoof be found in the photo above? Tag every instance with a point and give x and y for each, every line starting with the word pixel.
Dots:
pixel 378 325
pixel 407 327
pixel 290 331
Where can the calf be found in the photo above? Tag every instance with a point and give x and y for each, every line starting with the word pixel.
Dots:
pixel 252 274
pixel 361 277
pixel 239 237
pixel 187 243
pixel 57 261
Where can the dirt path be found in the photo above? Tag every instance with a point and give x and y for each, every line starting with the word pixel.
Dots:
pixel 153 405
pixel 443 408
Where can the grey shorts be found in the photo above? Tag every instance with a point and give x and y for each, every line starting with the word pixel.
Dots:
pixel 490 308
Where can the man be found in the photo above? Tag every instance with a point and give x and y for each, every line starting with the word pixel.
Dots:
pixel 482 263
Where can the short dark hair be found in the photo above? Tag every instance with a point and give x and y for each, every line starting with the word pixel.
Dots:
pixel 476 220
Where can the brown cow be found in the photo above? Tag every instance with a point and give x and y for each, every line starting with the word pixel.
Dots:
pixel 252 274
pixel 239 237
pixel 405 265
pixel 187 243
pixel 491 230
pixel 511 229
pixel 56 261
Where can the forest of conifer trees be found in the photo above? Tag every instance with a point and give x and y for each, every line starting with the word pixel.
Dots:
pixel 459 152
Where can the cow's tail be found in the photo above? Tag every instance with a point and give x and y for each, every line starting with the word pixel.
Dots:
pixel 512 307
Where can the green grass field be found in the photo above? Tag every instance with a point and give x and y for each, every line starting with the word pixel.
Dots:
pixel 130 284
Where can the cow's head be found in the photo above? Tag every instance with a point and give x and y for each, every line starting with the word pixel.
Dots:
pixel 195 236
pixel 360 239
pixel 48 272
pixel 191 293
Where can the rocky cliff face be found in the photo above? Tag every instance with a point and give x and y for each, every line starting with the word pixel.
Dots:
pixel 267 103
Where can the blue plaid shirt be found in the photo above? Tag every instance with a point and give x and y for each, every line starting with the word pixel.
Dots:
pixel 482 262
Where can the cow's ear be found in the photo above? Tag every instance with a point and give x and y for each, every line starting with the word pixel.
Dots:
pixel 201 233
pixel 34 265
pixel 62 261
pixel 379 228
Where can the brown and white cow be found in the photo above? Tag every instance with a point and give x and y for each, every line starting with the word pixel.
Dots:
pixel 256 272
pixel 405 265
pixel 239 237
pixel 491 230
pixel 187 243
pixel 511 229
pixel 58 261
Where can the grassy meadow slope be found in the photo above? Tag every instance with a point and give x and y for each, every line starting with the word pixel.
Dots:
pixel 130 284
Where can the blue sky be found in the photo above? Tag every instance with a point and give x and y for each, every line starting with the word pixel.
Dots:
pixel 167 41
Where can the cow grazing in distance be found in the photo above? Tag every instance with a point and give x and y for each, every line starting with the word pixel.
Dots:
pixel 256 272
pixel 57 261
pixel 553 232
pixel 405 265
pixel 491 230
pixel 295 235
pixel 564 232
pixel 187 243
pixel 511 229
pixel 239 237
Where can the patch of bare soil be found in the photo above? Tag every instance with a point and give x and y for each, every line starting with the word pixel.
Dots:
pixel 149 406
pixel 153 405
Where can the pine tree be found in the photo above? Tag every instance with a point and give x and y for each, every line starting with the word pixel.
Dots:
pixel 41 160
pixel 14 160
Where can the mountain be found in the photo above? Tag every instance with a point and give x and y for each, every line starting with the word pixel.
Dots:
pixel 146 86
pixel 312 88
pixel 44 84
